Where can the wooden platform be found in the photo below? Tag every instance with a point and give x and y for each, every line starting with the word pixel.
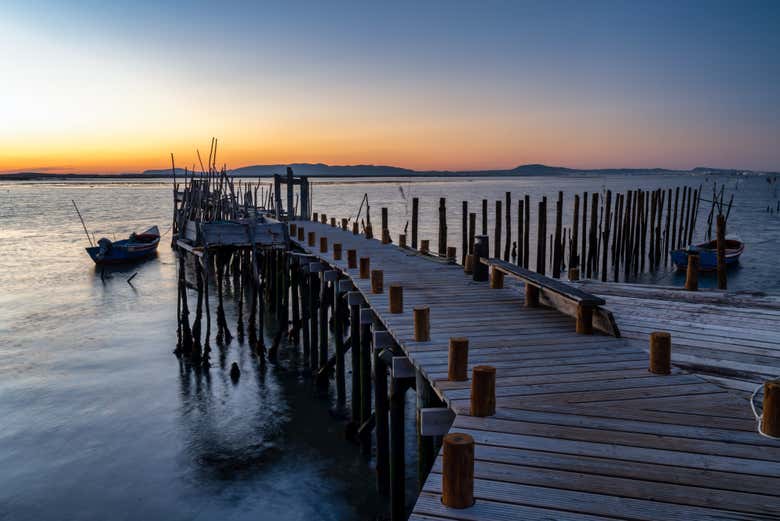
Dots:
pixel 582 431
pixel 732 338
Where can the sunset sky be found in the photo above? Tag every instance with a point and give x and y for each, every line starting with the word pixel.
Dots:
pixel 116 87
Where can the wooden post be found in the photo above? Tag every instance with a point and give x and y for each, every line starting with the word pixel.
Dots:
pixel 385 227
pixel 557 253
pixel 464 233
pixel 442 226
pixel 770 418
pixel 324 301
pixel 312 237
pixel 674 220
pixel 425 444
pixel 337 251
pixel 497 232
pixel 425 246
pixel 315 217
pixel 692 273
pixel 721 245
pixel 386 236
pixel 300 234
pixel 415 218
pixel 452 252
pixel 402 240
pixel 472 232
pixel 324 219
pixel 520 215
pixel 338 336
pixel 333 222
pixel 323 244
pixel 574 273
pixel 365 267
pixel 481 251
pixel 483 391
pixel 468 266
pixel 365 371
pixel 457 480
pixel 381 412
pixel 352 259
pixel 508 214
pixel 377 281
pixel 397 451
pixel 396 298
pixel 484 217
pixel 458 359
pixel 354 299
pixel 422 323
pixel 293 229
pixel 660 352
pixel 355 228
pixel 527 231
pixel 496 278
pixel 314 295
pixel 593 235
pixel 605 239
pixel 344 222
pixel 540 239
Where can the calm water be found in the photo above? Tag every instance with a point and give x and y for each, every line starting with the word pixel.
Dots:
pixel 100 420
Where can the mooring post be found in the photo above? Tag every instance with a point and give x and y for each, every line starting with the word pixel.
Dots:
pixel 365 267
pixel 337 251
pixel 351 259
pixel 483 391
pixel 442 226
pixel 458 360
pixel 312 237
pixel 464 232
pixel 481 251
pixel 301 232
pixel 402 240
pixel 354 299
pixel 457 480
pixel 692 272
pixel 660 352
pixel 770 418
pixel 422 323
pixel 377 281
pixel 323 245
pixel 396 295
pixel 425 246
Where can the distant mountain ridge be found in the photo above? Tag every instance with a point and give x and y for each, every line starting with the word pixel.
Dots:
pixel 324 170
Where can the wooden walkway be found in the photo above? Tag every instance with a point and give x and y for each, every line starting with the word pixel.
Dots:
pixel 732 338
pixel 582 430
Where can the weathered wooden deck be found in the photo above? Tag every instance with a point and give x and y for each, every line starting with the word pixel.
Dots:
pixel 582 430
pixel 732 338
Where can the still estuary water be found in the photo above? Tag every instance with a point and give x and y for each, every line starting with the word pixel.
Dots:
pixel 98 419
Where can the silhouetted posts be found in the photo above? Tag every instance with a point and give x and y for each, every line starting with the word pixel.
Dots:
pixel 721 246
pixel 442 227
pixel 397 451
pixel 464 233
pixel 484 217
pixel 520 240
pixel 481 251
pixel 527 231
pixel 354 300
pixel 381 411
pixel 508 215
pixel 557 253
pixel 497 232
pixel 605 240
pixel 415 220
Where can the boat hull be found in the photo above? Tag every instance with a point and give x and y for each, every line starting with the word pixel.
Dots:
pixel 137 247
pixel 708 255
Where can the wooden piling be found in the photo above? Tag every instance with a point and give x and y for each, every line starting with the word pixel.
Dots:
pixel 354 300
pixel 556 258
pixel 338 337
pixel 312 237
pixel 381 412
pixel 426 453
pixel 660 352
pixel 472 232
pixel 355 228
pixel 606 232
pixel 351 259
pixel 337 251
pixel 468 266
pixel 397 451
pixel 377 281
pixel 422 323
pixel 442 226
pixel 396 294
pixel 481 251
pixel 365 267
pixel 425 246
pixel 458 360
pixel 483 391
pixel 526 231
pixel 365 372
pixel 520 228
pixel 508 224
pixel 692 273
pixel 497 232
pixel 452 253
pixel 464 232
pixel 323 244
pixel 402 240
pixel 457 481
pixel 484 217
pixel 344 222
pixel 415 219
pixel 721 250
pixel 770 418
pixel 301 234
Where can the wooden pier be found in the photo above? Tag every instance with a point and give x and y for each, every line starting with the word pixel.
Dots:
pixel 581 429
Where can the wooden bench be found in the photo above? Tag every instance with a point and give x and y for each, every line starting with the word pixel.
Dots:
pixel 570 300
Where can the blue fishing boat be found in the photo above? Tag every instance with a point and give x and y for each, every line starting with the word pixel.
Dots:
pixel 138 246
pixel 708 254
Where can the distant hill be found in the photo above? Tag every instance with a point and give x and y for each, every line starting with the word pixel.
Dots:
pixel 323 170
